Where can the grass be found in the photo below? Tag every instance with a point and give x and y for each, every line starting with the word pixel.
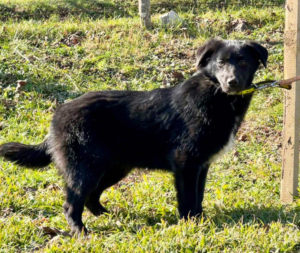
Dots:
pixel 64 54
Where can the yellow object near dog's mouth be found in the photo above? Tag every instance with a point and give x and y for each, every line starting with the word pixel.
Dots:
pixel 248 91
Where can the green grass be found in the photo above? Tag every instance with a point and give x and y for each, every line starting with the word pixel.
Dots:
pixel 66 53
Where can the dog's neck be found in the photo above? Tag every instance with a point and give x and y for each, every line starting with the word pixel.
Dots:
pixel 208 95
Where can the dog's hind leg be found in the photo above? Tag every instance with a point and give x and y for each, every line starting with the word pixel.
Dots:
pixel 110 177
pixel 79 186
pixel 93 204
pixel 73 208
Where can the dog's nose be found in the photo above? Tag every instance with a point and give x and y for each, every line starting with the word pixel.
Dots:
pixel 232 83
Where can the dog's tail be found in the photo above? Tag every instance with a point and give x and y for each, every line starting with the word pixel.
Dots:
pixel 31 156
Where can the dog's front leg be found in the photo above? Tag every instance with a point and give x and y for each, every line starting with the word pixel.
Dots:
pixel 186 181
pixel 201 187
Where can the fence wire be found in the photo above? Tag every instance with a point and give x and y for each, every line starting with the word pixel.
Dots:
pixel 195 5
pixel 198 3
pixel 117 8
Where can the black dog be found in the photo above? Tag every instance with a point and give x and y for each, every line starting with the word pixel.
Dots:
pixel 98 138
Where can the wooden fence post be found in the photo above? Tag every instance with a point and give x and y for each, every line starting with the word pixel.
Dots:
pixel 290 153
pixel 145 14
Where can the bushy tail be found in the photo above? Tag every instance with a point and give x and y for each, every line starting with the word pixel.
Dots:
pixel 31 156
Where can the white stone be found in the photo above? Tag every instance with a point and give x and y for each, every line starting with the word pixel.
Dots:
pixel 170 18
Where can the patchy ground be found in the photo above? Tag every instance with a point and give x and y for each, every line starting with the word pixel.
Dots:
pixel 66 53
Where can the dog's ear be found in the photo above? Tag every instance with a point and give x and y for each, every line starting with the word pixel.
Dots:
pixel 260 51
pixel 204 52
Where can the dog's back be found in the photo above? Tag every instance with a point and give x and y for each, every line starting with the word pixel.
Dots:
pixel 142 129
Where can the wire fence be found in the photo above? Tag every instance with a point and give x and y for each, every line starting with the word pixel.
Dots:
pixel 197 5
pixel 212 3
pixel 117 8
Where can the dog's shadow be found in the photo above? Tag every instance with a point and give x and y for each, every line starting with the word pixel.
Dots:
pixel 260 216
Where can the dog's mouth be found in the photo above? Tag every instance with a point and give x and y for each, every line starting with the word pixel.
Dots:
pixel 231 91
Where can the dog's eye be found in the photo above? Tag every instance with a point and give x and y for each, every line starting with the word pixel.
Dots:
pixel 221 63
pixel 243 63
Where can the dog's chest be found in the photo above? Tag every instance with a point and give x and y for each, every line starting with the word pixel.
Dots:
pixel 224 148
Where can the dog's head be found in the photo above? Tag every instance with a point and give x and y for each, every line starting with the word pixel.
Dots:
pixel 232 63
